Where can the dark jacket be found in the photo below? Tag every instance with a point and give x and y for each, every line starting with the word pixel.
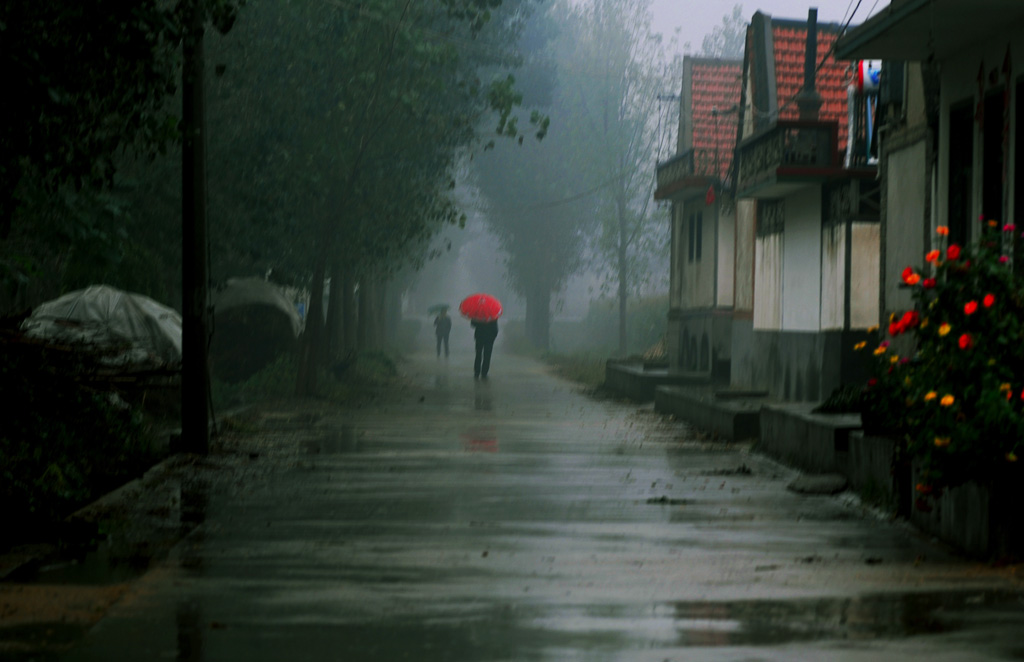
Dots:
pixel 485 331
pixel 443 325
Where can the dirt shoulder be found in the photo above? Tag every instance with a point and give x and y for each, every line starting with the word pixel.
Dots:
pixel 51 594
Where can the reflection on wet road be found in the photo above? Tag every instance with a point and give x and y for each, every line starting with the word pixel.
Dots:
pixel 515 519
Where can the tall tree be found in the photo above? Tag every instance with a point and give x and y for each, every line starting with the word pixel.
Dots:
pixel 727 40
pixel 531 190
pixel 615 69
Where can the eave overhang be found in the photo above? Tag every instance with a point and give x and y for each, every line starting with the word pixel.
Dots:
pixel 918 29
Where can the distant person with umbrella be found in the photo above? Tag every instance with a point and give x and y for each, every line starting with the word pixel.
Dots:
pixel 483 311
pixel 442 328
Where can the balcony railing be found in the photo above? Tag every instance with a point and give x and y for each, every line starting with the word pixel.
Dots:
pixel 796 145
pixel 692 163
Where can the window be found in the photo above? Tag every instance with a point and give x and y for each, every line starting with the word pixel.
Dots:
pixel 961 169
pixel 992 163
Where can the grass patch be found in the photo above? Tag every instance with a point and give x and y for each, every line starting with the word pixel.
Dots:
pixel 586 368
pixel 350 380
pixel 67 438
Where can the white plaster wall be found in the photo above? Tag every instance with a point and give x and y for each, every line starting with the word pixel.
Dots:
pixel 865 260
pixel 959 80
pixel 768 261
pixel 746 211
pixel 801 275
pixel 726 253
pixel 833 277
pixel 905 221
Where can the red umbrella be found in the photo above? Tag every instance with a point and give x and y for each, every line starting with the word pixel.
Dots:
pixel 480 307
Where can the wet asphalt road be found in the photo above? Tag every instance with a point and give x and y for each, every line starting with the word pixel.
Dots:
pixel 516 519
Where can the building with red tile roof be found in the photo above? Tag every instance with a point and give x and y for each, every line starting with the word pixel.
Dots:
pixel 697 182
pixel 806 272
pixel 711 95
pixel 832 78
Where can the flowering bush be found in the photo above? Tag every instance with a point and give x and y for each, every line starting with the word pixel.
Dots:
pixel 958 402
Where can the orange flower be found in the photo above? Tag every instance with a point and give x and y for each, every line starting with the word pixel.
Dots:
pixel 970 307
pixel 993 224
pixel 1011 457
pixel 944 329
pixel 988 300
pixel 932 256
pixel 930 395
pixel 923 488
pixel 941 442
pixel 947 400
pixel 909 277
pixel 942 230
pixel 879 351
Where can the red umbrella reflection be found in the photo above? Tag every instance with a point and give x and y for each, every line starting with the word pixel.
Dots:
pixel 480 307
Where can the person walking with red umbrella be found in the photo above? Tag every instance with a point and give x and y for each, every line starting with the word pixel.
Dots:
pixel 484 333
pixel 483 311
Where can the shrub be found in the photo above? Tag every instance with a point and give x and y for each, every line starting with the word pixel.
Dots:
pixel 958 402
pixel 64 441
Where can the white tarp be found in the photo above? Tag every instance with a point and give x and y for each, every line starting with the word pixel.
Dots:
pixel 247 292
pixel 132 329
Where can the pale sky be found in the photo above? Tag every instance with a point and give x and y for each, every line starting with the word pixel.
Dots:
pixel 696 18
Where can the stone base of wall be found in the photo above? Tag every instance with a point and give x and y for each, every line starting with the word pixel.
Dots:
pixel 869 468
pixel 637 381
pixel 727 414
pixel 982 520
pixel 817 443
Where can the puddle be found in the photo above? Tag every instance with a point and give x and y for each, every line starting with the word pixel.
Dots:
pixel 482 400
pixel 335 442
pixel 774 623
pixel 102 566
pixel 482 439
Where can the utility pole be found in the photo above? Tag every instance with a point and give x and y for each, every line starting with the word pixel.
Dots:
pixel 195 384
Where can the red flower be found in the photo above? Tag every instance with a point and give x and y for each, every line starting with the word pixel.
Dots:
pixel 1003 259
pixel 910 319
pixel 970 307
pixel 988 300
pixel 966 341
pixel 923 488
pixel 953 252
pixel 909 277
pixel 933 256
pixel 896 328
pixel 928 283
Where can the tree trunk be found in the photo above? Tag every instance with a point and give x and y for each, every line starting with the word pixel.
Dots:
pixel 393 314
pixel 538 317
pixel 348 311
pixel 623 275
pixel 335 339
pixel 311 351
pixel 363 322
pixel 195 372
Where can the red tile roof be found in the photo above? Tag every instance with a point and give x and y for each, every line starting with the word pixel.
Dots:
pixel 715 85
pixel 832 79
